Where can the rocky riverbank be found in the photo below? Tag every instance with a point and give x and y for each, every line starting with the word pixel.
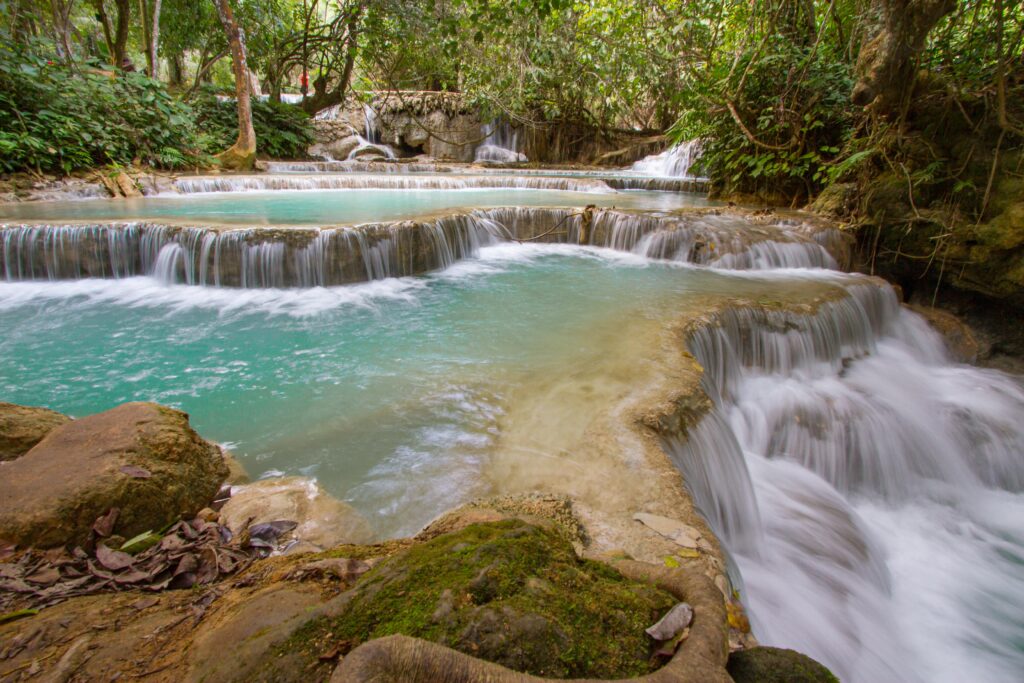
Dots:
pixel 104 516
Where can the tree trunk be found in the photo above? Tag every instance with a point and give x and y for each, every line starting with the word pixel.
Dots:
pixel 321 99
pixel 108 32
pixel 241 155
pixel 124 16
pixel 887 60
pixel 154 41
pixel 146 42
pixel 176 77
pixel 61 10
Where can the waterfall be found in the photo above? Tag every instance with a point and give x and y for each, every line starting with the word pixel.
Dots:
pixel 867 457
pixel 500 143
pixel 196 184
pixel 674 162
pixel 353 167
pixel 169 261
pixel 248 258
pixel 370 140
pixel 255 257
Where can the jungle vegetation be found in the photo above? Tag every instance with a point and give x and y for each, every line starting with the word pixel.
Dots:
pixel 907 112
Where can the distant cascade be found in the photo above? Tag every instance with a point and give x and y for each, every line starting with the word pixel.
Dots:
pixel 696 185
pixel 370 140
pixel 500 144
pixel 256 257
pixel 847 411
pixel 674 162
pixel 197 184
pixel 353 167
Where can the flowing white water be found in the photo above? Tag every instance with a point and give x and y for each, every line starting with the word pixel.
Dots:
pixel 501 143
pixel 674 162
pixel 240 183
pixel 371 142
pixel 314 257
pixel 869 490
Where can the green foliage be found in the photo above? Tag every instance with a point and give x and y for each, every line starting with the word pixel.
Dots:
pixel 778 117
pixel 55 118
pixel 283 131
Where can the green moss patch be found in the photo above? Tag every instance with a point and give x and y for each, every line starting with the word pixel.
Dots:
pixel 507 592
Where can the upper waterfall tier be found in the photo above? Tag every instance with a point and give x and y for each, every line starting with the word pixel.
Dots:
pixel 272 257
pixel 237 183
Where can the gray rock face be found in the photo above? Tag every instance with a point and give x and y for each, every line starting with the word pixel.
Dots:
pixel 141 458
pixel 22 427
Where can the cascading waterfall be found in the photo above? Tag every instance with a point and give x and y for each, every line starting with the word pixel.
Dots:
pixel 354 167
pixel 248 258
pixel 611 180
pixel 500 143
pixel 370 141
pixel 674 162
pixel 844 459
pixel 254 257
pixel 196 184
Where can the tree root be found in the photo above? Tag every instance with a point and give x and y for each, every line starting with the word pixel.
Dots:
pixel 700 658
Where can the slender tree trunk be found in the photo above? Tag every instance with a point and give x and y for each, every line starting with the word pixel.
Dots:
pixel 241 155
pixel 154 41
pixel 124 16
pixel 108 32
pixel 61 10
pixel 146 42
pixel 176 73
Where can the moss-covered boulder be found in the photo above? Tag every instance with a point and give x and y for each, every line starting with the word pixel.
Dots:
pixel 506 591
pixel 141 458
pixel 776 665
pixel 22 427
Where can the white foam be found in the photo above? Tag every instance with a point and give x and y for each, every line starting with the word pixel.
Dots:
pixel 146 292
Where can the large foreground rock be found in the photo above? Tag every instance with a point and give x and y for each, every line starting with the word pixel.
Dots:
pixel 141 458
pixel 22 427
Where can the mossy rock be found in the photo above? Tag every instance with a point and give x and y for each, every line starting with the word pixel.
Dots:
pixel 776 665
pixel 507 592
pixel 22 427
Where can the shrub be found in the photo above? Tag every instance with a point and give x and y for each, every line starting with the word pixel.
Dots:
pixel 58 118
pixel 283 131
pixel 793 100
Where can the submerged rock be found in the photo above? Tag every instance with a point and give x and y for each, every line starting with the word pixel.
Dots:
pixel 141 458
pixel 960 340
pixel 22 427
pixel 776 665
pixel 320 519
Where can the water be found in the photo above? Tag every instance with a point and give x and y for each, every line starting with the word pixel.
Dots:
pixel 500 143
pixel 674 162
pixel 393 394
pixel 869 490
pixel 296 257
pixel 337 207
